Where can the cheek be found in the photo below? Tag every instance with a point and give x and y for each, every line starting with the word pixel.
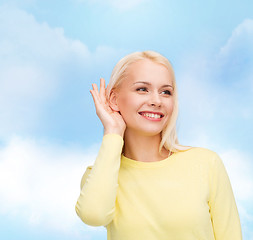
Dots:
pixel 170 106
pixel 127 103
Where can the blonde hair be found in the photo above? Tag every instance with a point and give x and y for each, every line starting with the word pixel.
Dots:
pixel 169 135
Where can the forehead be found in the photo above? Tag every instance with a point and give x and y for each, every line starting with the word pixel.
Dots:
pixel 147 70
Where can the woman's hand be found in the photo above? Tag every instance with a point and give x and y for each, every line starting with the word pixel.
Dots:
pixel 111 120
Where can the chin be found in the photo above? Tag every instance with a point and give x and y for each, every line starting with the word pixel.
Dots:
pixel 150 133
pixel 145 130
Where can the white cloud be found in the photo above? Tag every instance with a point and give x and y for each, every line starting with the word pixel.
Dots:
pixel 35 63
pixel 31 59
pixel 236 56
pixel 40 183
pixel 240 40
pixel 234 67
pixel 218 88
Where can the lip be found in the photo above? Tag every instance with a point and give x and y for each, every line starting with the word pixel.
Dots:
pixel 145 114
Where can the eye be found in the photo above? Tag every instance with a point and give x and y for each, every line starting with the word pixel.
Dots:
pixel 142 89
pixel 166 92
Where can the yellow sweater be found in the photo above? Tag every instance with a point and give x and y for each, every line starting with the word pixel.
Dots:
pixel 187 196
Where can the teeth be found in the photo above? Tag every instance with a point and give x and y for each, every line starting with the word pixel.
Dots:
pixel 152 115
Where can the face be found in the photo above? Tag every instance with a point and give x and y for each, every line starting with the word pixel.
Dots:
pixel 145 97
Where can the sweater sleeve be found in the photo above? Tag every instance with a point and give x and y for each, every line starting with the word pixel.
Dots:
pixel 223 210
pixel 96 202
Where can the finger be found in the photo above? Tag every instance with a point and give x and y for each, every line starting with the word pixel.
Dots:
pixel 95 87
pixel 102 90
pixel 96 99
pixel 101 112
pixel 95 93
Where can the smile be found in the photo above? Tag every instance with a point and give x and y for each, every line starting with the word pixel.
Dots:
pixel 149 115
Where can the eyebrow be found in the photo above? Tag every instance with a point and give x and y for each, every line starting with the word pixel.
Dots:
pixel 147 83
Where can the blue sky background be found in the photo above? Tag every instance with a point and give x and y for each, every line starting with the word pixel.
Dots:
pixel 51 52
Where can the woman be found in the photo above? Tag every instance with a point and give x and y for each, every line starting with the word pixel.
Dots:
pixel 143 184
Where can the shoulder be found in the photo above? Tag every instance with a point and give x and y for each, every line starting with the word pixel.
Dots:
pixel 203 160
pixel 198 151
pixel 200 154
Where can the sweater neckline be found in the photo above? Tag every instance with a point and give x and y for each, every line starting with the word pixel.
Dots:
pixel 138 164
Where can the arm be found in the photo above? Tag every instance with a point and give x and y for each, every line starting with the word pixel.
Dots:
pixel 96 203
pixel 223 210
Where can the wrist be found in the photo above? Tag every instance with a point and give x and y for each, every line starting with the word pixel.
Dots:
pixel 114 131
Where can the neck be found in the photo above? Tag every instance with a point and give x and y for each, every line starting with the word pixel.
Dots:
pixel 143 148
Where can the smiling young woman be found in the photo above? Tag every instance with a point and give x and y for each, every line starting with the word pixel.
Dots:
pixel 145 101
pixel 144 184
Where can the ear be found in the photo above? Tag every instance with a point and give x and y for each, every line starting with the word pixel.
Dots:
pixel 113 101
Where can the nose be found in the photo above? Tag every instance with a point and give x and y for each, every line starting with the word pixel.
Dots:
pixel 155 100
